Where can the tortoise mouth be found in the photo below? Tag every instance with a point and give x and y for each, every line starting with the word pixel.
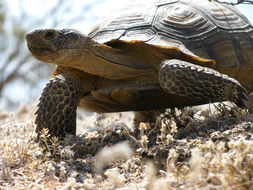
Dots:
pixel 43 54
pixel 39 50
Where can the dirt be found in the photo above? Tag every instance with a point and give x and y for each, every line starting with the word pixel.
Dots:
pixel 182 149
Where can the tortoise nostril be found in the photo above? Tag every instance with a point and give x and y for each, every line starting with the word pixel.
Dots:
pixel 28 36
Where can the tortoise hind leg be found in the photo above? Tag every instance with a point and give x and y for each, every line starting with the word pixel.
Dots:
pixel 57 107
pixel 201 84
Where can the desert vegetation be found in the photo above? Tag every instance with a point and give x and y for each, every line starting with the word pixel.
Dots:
pixel 183 149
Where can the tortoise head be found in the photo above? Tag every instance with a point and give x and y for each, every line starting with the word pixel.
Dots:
pixel 45 44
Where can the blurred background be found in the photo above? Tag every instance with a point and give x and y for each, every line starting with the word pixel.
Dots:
pixel 22 78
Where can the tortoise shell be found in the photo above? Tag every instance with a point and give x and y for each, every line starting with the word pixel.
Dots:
pixel 204 28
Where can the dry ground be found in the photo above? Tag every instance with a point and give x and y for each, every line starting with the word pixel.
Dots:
pixel 186 149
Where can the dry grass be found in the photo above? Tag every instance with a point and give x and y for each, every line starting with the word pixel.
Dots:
pixel 184 149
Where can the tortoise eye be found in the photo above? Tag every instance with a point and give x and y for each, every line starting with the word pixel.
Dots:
pixel 50 35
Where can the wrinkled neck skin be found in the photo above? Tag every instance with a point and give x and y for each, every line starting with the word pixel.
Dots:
pixel 96 59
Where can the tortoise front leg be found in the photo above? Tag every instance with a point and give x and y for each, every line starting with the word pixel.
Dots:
pixel 57 107
pixel 201 84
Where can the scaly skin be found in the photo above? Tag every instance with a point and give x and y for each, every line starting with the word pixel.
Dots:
pixel 186 79
pixel 57 107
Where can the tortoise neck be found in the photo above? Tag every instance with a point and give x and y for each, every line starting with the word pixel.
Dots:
pixel 97 59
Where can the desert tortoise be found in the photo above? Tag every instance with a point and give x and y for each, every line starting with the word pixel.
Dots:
pixel 169 53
